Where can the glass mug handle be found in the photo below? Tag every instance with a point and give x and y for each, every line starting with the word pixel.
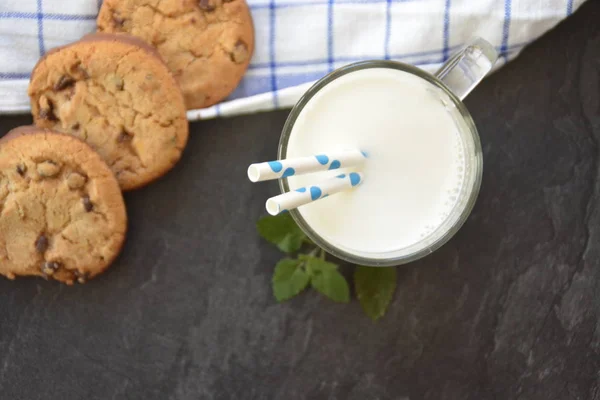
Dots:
pixel 465 69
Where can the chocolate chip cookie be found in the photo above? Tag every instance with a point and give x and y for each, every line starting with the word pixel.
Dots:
pixel 115 93
pixel 62 214
pixel 206 43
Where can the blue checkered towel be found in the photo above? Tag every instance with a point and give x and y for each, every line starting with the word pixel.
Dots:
pixel 297 41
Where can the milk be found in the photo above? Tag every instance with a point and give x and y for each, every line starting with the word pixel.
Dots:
pixel 416 164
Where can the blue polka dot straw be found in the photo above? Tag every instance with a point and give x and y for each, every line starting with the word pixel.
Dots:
pixel 296 198
pixel 305 165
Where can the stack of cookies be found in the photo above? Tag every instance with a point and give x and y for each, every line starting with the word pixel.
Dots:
pixel 110 115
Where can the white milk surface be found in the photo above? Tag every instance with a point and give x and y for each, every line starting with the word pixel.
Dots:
pixel 415 167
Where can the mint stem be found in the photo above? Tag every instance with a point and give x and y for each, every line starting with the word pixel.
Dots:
pixel 307 241
pixel 314 252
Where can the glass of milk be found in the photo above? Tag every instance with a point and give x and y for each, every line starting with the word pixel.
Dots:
pixel 424 165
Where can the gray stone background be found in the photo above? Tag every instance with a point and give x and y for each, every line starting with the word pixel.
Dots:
pixel 509 309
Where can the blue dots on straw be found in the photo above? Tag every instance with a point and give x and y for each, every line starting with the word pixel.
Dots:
pixel 354 178
pixel 365 154
pixel 276 166
pixel 301 190
pixel 288 172
pixel 322 159
pixel 342 176
pixel 335 164
pixel 315 192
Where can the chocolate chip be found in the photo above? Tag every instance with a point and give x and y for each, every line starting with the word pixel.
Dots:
pixel 206 5
pixel 47 114
pixel 75 126
pixel 87 203
pixel 64 82
pixel 70 92
pixel 118 22
pixel 116 82
pixel 81 276
pixel 47 109
pixel 50 267
pixel 77 69
pixel 41 244
pixel 239 54
pixel 76 181
pixel 21 169
pixel 48 169
pixel 124 136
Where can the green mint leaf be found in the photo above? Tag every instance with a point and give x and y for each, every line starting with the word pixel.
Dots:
pixel 288 279
pixel 316 264
pixel 375 288
pixel 326 279
pixel 317 253
pixel 282 231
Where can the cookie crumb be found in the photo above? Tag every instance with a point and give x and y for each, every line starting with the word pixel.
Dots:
pixel 81 276
pixel 50 267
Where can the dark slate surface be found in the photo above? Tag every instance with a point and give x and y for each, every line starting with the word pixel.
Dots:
pixel 509 309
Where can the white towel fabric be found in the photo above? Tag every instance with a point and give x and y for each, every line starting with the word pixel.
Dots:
pixel 297 41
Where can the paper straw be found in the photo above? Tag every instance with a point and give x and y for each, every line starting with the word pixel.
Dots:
pixel 296 198
pixel 303 165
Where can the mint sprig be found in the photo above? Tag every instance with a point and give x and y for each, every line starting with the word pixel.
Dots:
pixel 293 275
pixel 374 286
pixel 325 279
pixel 282 231
pixel 289 279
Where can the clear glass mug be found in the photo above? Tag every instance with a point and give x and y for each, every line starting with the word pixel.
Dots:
pixel 457 77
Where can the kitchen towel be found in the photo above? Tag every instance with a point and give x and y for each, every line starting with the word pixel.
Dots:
pixel 297 41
